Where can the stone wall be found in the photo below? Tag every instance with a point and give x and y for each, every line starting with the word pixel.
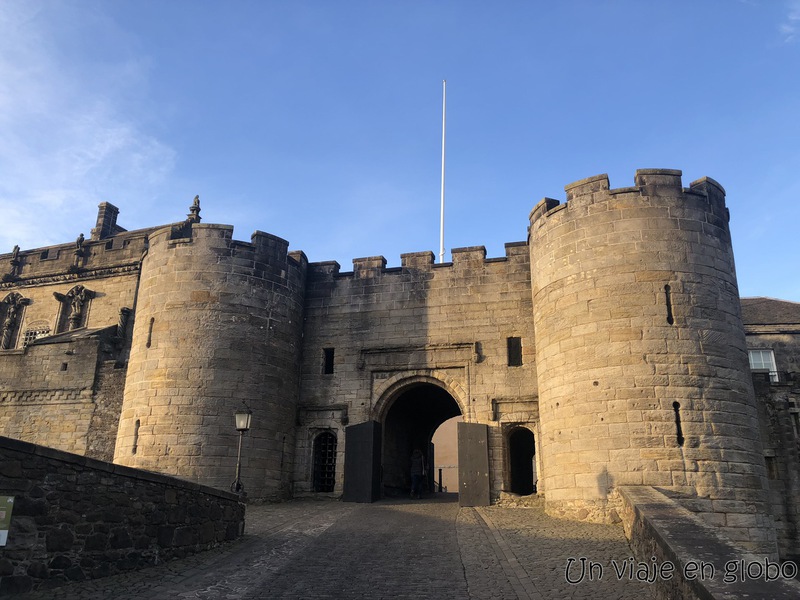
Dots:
pixel 775 325
pixel 683 557
pixel 779 408
pixel 63 389
pixel 76 518
pixel 218 324
pixel 391 329
pixel 46 394
pixel 641 354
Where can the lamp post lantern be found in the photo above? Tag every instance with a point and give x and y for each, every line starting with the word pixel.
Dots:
pixel 242 418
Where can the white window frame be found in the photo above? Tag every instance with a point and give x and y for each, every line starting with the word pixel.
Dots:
pixel 765 362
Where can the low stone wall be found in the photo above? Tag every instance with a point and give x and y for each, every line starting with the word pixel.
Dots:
pixel 77 518
pixel 685 558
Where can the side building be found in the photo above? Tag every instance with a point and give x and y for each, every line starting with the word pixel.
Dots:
pixel 611 348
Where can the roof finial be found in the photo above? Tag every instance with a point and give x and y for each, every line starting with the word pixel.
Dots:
pixel 194 210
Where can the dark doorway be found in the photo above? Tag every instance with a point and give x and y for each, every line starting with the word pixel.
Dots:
pixel 410 423
pixel 324 462
pixel 521 451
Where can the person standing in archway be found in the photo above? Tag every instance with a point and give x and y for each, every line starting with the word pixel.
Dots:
pixel 417 472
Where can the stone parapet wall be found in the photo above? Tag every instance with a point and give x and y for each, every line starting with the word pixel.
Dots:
pixel 97 258
pixel 76 518
pixel 683 557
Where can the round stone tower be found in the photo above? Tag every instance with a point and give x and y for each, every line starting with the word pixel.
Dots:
pixel 218 323
pixel 640 351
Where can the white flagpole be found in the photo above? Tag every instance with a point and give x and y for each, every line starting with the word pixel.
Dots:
pixel 441 219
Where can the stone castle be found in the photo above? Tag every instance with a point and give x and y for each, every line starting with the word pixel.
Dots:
pixel 609 349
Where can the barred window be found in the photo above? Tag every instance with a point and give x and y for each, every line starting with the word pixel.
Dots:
pixel 34 332
pixel 325 462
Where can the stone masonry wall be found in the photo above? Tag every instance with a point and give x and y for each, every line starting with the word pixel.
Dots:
pixel 393 328
pixel 76 518
pixel 46 394
pixel 108 388
pixel 780 432
pixel 50 391
pixel 218 324
pixel 641 356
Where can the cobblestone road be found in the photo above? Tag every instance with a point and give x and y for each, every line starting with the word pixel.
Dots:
pixel 431 548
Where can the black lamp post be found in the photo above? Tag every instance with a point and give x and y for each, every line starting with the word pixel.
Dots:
pixel 243 418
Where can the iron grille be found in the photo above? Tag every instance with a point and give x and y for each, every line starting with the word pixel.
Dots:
pixel 325 462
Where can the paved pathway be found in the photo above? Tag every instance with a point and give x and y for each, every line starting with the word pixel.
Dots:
pixel 431 548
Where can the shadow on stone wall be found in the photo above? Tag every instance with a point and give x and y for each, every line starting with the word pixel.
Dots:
pixel 77 518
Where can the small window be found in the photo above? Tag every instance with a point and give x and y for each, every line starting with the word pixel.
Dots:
pixel 764 361
pixel 34 333
pixel 327 361
pixel 772 467
pixel 514 352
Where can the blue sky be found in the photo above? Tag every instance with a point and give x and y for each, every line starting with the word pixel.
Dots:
pixel 320 121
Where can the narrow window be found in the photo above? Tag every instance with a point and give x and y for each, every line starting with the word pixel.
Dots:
pixel 676 406
pixel 150 332
pixel 772 467
pixel 64 366
pixel 668 295
pixel 794 416
pixel 514 352
pixel 327 361
pixel 135 436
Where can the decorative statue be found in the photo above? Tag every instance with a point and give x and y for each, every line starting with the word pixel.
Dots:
pixel 14 302
pixel 194 211
pixel 14 272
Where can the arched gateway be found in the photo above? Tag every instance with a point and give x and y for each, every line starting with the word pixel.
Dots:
pixel 407 414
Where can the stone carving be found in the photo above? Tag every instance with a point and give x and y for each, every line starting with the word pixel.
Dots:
pixel 75 301
pixel 71 275
pixel 184 228
pixel 194 210
pixel 15 262
pixel 13 304
pixel 79 253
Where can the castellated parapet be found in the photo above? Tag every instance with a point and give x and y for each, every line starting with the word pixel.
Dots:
pixel 218 323
pixel 641 356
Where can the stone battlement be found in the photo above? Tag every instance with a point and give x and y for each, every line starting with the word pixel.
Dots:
pixel 370 266
pixel 649 183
